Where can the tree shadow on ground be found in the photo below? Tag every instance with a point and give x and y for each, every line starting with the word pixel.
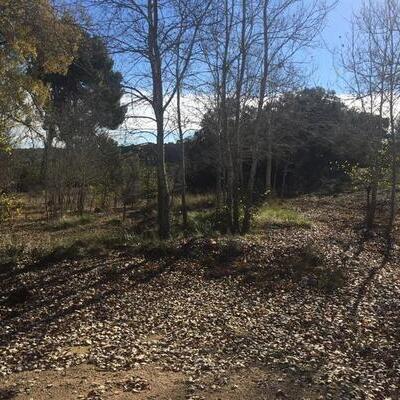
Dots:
pixel 56 298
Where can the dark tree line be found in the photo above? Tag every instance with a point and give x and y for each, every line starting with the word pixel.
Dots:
pixel 317 138
pixel 314 136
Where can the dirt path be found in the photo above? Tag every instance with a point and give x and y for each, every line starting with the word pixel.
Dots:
pixel 150 382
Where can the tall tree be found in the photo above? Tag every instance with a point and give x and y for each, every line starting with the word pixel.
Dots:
pixel 33 37
pixel 364 79
pixel 286 28
pixel 185 48
pixel 83 102
pixel 372 64
pixel 148 33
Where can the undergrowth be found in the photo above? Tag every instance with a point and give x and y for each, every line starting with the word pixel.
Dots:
pixel 67 222
pixel 275 214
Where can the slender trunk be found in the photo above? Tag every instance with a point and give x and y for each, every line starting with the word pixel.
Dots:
pixel 81 200
pixel 258 123
pixel 393 200
pixel 392 88
pixel 183 194
pixel 44 168
pixel 268 171
pixel 219 169
pixel 249 200
pixel 275 177
pixel 218 199
pixel 45 162
pixel 163 198
pixel 124 211
pixel 371 205
pixel 284 175
pixel 224 120
pixel 182 143
pixel 236 153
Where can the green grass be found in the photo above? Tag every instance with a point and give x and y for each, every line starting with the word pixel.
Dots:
pixel 95 235
pixel 10 253
pixel 201 223
pixel 281 216
pixel 67 222
pixel 76 245
pixel 195 201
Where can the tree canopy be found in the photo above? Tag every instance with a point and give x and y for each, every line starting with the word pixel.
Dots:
pixel 33 39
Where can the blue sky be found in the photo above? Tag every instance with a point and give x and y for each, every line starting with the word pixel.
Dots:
pixel 338 25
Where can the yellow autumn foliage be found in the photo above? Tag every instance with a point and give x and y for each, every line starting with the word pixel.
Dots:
pixel 33 40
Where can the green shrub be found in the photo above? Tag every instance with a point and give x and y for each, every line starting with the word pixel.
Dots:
pixel 201 223
pixel 10 254
pixel 9 206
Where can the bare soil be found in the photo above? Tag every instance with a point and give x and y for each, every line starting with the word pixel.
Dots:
pixel 86 382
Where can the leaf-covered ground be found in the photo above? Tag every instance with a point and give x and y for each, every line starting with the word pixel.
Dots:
pixel 293 312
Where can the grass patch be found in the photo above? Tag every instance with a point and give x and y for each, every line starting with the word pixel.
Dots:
pixel 201 223
pixel 67 222
pixel 278 215
pixel 195 202
pixel 82 244
pixel 114 222
pixel 10 254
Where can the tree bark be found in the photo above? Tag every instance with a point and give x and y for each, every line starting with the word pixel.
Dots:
pixel 182 148
pixel 284 175
pixel 224 119
pixel 268 171
pixel 258 124
pixel 237 156
pixel 163 197
pixel 371 206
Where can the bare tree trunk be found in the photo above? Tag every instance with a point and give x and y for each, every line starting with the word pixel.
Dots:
pixel 284 175
pixel 275 177
pixel 393 144
pixel 239 88
pixel 182 143
pixel 393 200
pixel 268 171
pixel 394 69
pixel 44 168
pixel 224 116
pixel 163 198
pixel 371 206
pixel 183 194
pixel 218 197
pixel 258 124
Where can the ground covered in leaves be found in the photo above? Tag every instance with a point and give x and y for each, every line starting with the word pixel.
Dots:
pixel 292 312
